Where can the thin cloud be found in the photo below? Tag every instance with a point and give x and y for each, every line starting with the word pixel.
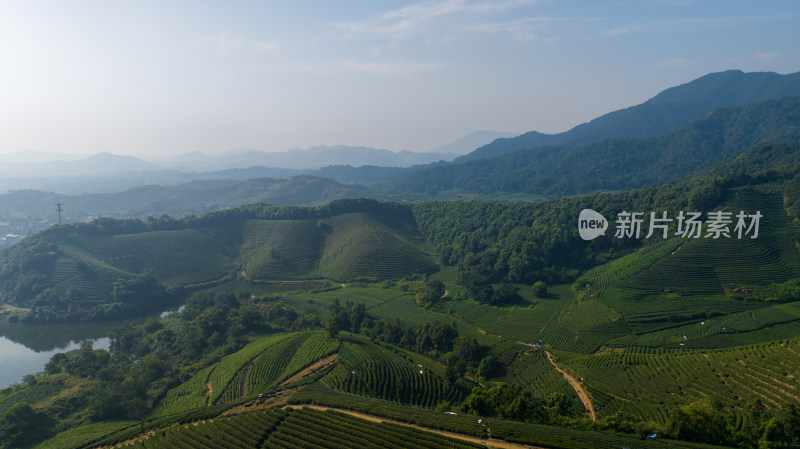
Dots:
pixel 227 44
pixel 673 62
pixel 765 57
pixel 426 10
pixel 674 24
pixel 376 68
pixel 394 30
pixel 389 68
pixel 520 29
pixel 429 9
pixel 265 47
pixel 759 57
pixel 621 31
pixel 425 18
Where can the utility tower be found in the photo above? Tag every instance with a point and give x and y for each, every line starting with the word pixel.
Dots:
pixel 58 208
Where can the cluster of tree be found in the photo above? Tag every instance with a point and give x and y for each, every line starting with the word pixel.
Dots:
pixel 706 421
pixel 438 340
pixel 785 292
pixel 128 298
pixel 21 426
pixel 431 293
pixel 26 267
pixel 513 402
pixel 791 196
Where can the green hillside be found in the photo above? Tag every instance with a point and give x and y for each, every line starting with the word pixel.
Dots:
pixel 257 368
pixel 650 383
pixel 104 264
pixel 375 246
pixel 681 292
pixel 367 370
pixel 280 249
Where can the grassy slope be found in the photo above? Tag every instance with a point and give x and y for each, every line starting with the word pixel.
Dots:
pixel 361 245
pixel 649 384
pixel 342 247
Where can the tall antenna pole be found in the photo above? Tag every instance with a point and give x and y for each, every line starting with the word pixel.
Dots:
pixel 58 208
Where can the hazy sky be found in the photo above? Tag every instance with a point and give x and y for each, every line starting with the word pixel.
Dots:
pixel 159 78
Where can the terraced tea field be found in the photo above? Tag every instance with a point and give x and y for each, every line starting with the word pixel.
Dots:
pixel 360 246
pixel 707 267
pixel 181 257
pixel 522 433
pixel 313 428
pixel 257 368
pixel 280 249
pixel 532 369
pixel 680 293
pixel 369 370
pixel 648 383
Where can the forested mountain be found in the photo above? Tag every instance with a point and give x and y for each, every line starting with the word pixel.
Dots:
pixel 622 163
pixel 670 109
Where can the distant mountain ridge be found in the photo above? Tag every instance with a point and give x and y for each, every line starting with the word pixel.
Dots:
pixel 195 197
pixel 103 164
pixel 619 163
pixel 666 111
pixel 305 159
pixel 471 141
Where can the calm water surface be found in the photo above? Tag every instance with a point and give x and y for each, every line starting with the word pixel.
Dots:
pixel 25 349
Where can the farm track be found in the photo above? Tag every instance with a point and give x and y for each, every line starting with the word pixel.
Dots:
pixel 243 377
pixel 311 369
pixel 208 393
pixel 582 393
pixel 489 443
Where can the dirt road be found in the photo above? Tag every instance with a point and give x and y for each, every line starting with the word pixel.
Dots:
pixel 582 393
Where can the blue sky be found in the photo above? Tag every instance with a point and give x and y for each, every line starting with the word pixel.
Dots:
pixel 154 78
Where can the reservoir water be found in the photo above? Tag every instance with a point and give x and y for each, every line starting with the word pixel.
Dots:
pixel 25 349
